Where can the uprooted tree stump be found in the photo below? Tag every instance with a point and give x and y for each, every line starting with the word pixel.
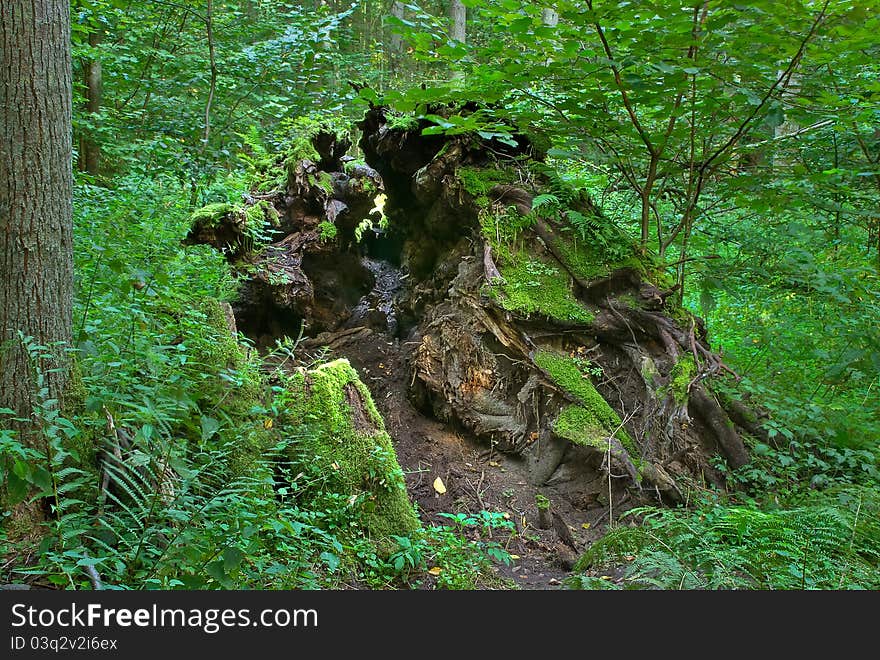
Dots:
pixel 529 318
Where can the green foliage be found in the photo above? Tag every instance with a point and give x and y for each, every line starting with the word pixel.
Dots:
pixel 756 181
pixel 203 493
pixel 327 231
pixel 271 59
pixel 403 122
pixel 829 541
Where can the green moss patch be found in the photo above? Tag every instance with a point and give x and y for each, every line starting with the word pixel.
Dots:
pixel 591 262
pixel 680 378
pixel 537 286
pixel 479 181
pixel 340 433
pixel 210 215
pixel 590 423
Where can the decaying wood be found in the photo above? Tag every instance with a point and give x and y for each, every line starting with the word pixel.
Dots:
pixel 472 360
pixel 492 272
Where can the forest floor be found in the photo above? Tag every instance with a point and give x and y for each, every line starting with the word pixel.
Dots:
pixel 476 478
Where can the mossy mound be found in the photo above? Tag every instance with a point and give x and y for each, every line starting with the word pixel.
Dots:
pixel 592 422
pixel 341 435
pixel 211 215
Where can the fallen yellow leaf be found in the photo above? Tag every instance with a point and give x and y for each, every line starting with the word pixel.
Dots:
pixel 586 525
pixel 267 424
pixel 436 570
pixel 514 556
pixel 494 464
pixel 439 486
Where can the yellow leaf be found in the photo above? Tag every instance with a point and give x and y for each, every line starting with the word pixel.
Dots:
pixel 334 465
pixel 514 556
pixel 436 570
pixel 267 424
pixel 586 525
pixel 494 464
pixel 505 515
pixel 439 486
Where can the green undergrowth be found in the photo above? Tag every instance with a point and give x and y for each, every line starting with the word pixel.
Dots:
pixel 272 162
pixel 228 476
pixel 593 421
pixel 827 540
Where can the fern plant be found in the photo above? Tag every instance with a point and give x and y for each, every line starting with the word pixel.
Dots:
pixel 831 541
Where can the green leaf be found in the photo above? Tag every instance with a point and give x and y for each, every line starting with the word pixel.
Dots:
pixel 330 560
pixel 42 479
pixel 16 488
pixel 217 571
pixel 210 426
pixel 232 558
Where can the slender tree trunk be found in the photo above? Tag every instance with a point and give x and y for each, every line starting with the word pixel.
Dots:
pixel 790 91
pixel 395 44
pixel 90 150
pixel 212 88
pixel 36 252
pixel 458 13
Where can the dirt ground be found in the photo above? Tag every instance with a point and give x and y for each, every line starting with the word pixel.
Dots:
pixel 475 477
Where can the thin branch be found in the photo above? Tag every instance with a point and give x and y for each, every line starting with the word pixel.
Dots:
pixel 768 95
pixel 620 87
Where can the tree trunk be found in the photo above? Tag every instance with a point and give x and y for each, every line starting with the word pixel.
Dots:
pixel 90 150
pixel 397 11
pixel 458 13
pixel 396 43
pixel 36 252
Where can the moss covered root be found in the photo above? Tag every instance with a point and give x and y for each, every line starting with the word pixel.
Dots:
pixel 593 421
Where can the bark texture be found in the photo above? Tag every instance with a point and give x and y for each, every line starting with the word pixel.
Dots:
pixel 458 13
pixel 36 255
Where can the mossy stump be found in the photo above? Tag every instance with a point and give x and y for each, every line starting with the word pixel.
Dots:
pixel 341 433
